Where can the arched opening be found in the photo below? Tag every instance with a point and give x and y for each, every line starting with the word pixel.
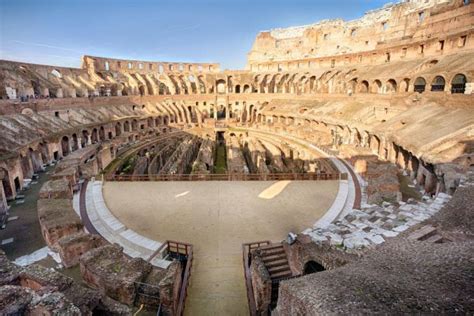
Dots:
pixel 75 142
pixel 134 125
pixel 220 84
pixel 126 126
pixel 377 86
pixel 312 267
pixel 364 86
pixel 7 188
pixel 420 85
pixel 247 89
pixel 94 137
pixel 85 138
pixel 17 184
pixel 458 84
pixel 391 86
pixel 221 112
pixel 237 88
pixel 438 84
pixel 118 129
pixel 404 85
pixel 65 145
pixel 102 133
pixel 36 88
pixel 124 90
pixel 141 90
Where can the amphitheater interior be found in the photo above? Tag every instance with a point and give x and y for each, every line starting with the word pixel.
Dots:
pixel 333 175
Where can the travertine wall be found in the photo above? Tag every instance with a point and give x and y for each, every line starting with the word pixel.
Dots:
pixel 394 32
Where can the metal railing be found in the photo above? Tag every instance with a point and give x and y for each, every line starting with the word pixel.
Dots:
pixel 184 253
pixel 230 177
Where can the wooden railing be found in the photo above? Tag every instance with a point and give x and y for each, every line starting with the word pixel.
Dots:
pixel 230 177
pixel 246 249
pixel 178 250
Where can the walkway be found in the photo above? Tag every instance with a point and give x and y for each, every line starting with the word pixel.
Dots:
pixel 217 217
pixel 23 229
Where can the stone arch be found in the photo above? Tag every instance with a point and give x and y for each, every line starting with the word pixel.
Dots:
pixel 390 86
pixel 420 85
pixel 85 138
pixel 404 85
pixel 438 84
pixel 458 83
pixel 376 86
pixel 142 90
pixel 118 129
pixel 65 146
pixel 75 142
pixel 6 184
pixel 363 87
pixel 220 86
pixel 312 267
pixel 102 133
pixel 94 136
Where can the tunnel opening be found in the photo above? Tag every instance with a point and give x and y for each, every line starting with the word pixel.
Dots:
pixel 311 267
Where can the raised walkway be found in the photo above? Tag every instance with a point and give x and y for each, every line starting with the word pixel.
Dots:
pixel 109 227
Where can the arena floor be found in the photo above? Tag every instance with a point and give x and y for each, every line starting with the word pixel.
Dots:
pixel 217 217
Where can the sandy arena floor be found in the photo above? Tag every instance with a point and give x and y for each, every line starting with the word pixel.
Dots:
pixel 217 217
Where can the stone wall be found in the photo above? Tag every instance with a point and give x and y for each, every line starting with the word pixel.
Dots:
pixel 261 283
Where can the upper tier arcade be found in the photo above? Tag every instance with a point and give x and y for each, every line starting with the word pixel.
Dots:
pixel 403 31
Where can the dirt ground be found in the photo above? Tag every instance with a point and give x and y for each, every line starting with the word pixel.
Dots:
pixel 217 217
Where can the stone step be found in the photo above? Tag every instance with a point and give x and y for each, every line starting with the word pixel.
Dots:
pixel 280 275
pixel 271 246
pixel 423 233
pixel 278 269
pixel 273 251
pixel 275 263
pixel 274 256
pixel 436 239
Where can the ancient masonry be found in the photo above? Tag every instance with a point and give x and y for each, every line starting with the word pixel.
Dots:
pixel 382 104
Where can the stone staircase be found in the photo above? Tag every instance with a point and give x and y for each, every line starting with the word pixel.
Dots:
pixel 426 233
pixel 275 260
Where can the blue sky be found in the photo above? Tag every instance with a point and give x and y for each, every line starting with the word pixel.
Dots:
pixel 58 32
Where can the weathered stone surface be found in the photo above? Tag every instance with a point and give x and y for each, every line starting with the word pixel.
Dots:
pixel 169 287
pixel 261 283
pixel 9 272
pixel 57 219
pixel 382 181
pixel 71 247
pixel 109 270
pixel 54 303
pixel 56 189
pixel 37 277
pixel 15 300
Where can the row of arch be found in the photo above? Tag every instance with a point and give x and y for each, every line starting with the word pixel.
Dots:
pixel 337 135
pixel 336 82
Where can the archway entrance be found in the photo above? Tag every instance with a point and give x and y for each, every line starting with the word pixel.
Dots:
pixel 7 188
pixel 312 267
pixel 458 84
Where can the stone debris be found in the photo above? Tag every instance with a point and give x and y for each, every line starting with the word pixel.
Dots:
pixel 372 224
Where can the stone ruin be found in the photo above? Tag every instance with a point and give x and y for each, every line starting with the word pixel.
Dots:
pixel 388 95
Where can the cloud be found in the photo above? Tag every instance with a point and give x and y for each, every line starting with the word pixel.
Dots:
pixel 47 46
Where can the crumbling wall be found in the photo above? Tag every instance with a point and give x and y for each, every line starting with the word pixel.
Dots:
pixel 72 247
pixel 261 283
pixel 57 219
pixel 383 184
